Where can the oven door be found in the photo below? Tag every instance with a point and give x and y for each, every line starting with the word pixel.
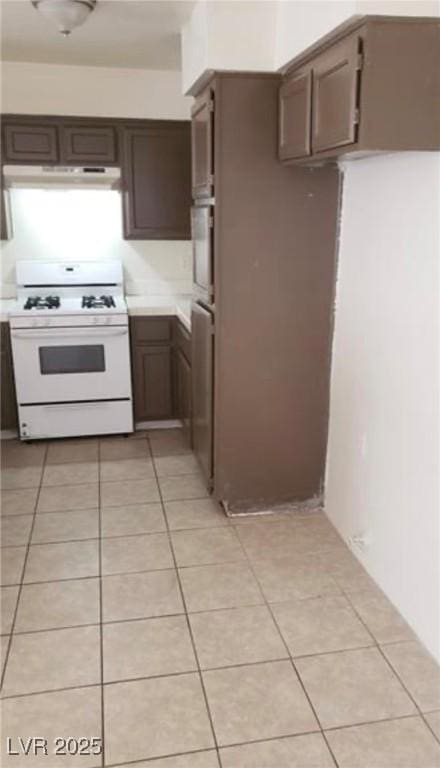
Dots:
pixel 202 222
pixel 54 365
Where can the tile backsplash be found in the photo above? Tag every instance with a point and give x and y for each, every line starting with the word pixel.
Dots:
pixel 86 225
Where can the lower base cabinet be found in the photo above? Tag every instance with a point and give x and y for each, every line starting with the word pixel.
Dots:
pixel 161 370
pixel 183 393
pixel 8 417
pixel 153 397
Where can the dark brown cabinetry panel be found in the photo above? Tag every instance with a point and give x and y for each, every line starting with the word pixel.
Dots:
pixel 151 330
pixel 295 116
pixel 375 86
pixel 33 143
pixel 8 416
pixel 182 340
pixel 152 383
pixel 154 155
pixel 85 145
pixel 261 384
pixel 202 327
pixel 5 213
pixel 152 367
pixel 202 145
pixel 157 187
pixel 183 393
pixel 335 92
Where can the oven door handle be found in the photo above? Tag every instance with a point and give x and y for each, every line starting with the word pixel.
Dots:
pixel 45 333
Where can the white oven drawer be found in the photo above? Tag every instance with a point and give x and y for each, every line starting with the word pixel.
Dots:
pixel 75 419
pixel 54 365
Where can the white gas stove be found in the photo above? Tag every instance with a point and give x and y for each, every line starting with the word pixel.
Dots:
pixel 71 350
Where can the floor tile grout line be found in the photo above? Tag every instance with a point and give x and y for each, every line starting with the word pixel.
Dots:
pixel 182 597
pixel 23 570
pixel 101 630
pixel 134 763
pixel 268 606
pixel 378 646
pixel 346 594
pixel 283 737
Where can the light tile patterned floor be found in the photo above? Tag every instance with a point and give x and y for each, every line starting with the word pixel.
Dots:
pixel 133 610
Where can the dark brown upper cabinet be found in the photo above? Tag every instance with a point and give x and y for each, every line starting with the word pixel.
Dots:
pixel 154 155
pixel 335 92
pixel 5 213
pixel 30 143
pixel 88 144
pixel 157 181
pixel 202 145
pixel 370 86
pixel 295 115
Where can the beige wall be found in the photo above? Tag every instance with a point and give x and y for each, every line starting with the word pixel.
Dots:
pixel 54 89
pixel 259 35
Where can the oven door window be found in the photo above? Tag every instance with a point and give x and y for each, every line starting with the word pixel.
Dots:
pixel 81 358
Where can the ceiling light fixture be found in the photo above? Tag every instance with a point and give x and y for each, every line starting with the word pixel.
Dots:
pixel 66 14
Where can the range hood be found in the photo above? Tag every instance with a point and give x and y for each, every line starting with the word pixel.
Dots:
pixel 61 177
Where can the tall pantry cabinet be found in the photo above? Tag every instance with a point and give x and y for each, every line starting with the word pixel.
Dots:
pixel 261 382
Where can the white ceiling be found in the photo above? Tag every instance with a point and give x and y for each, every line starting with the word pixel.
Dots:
pixel 118 33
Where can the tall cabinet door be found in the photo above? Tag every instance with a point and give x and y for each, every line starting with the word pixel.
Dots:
pixel 157 182
pixel 295 112
pixel 152 383
pixel 203 387
pixel 336 82
pixel 202 127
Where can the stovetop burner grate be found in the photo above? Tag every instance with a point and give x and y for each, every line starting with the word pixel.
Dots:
pixel 42 302
pixel 97 302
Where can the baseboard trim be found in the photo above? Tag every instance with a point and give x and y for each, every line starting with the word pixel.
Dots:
pixel 8 434
pixel 168 424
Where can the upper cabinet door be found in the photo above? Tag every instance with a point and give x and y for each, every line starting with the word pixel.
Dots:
pixel 295 111
pixel 33 143
pixel 202 145
pixel 157 182
pixel 335 96
pixel 84 145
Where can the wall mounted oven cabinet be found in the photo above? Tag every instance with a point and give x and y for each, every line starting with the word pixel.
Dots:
pixel 69 379
pixel 372 85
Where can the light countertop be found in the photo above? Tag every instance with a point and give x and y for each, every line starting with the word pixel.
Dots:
pixel 137 305
pixel 5 307
pixel 161 305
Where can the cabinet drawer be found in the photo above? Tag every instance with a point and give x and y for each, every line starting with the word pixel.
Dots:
pixel 30 143
pixel 183 340
pixel 151 330
pixel 88 144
